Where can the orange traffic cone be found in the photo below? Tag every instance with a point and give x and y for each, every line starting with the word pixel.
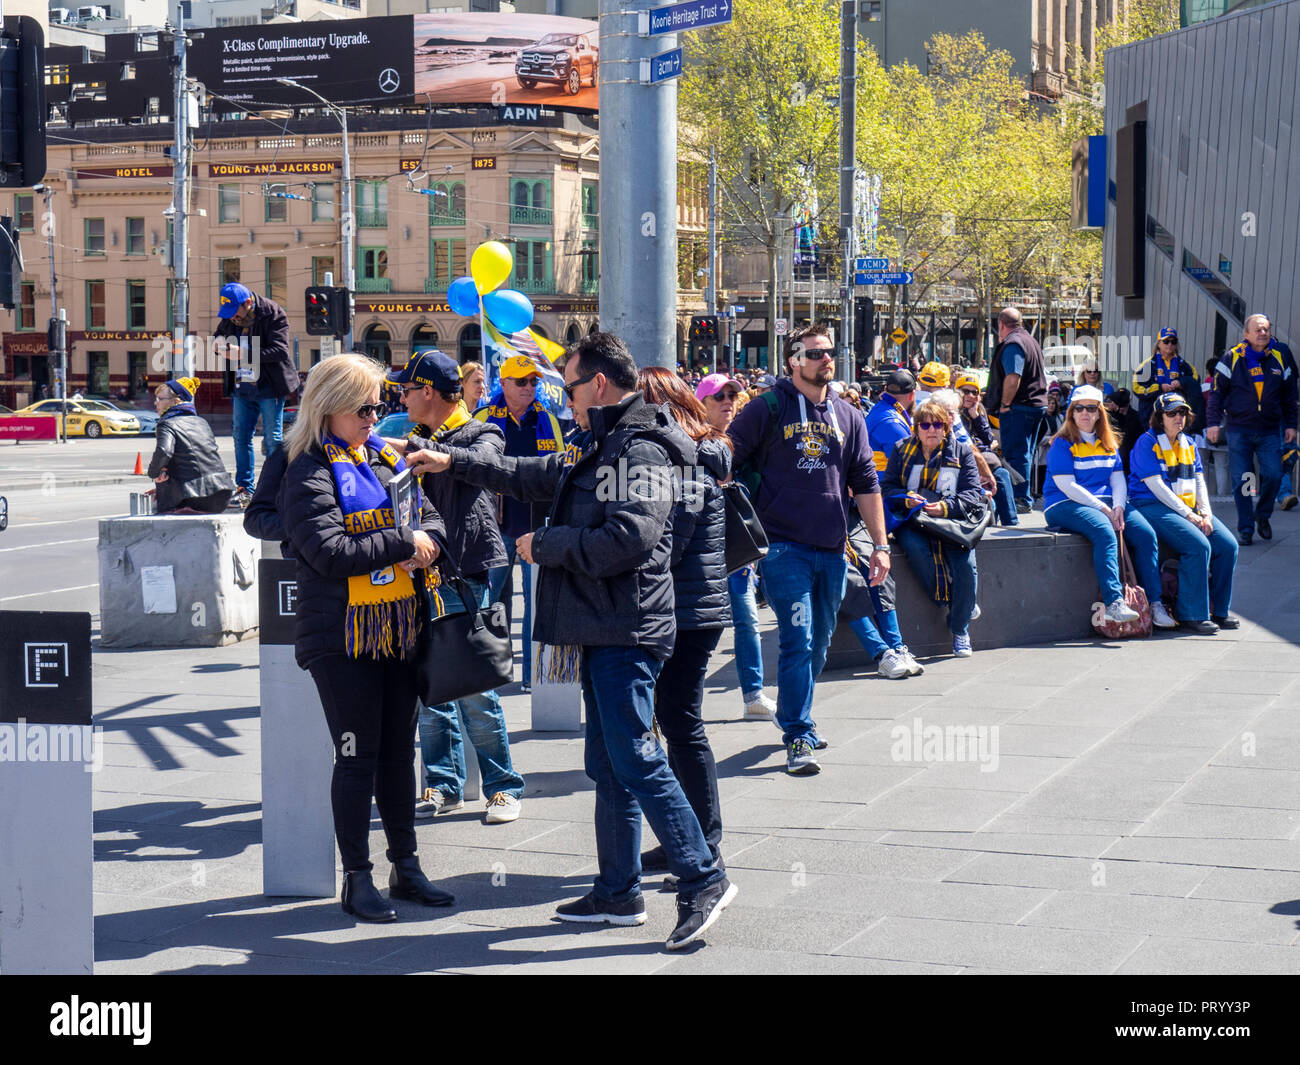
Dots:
pixel 139 465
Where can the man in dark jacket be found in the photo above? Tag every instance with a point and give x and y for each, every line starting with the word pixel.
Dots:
pixel 186 465
pixel 430 385
pixel 264 376
pixel 605 601
pixel 1016 397
pixel 1254 398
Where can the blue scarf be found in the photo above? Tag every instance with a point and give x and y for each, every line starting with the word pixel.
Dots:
pixel 178 409
pixel 381 619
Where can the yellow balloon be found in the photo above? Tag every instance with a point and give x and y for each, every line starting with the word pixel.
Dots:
pixel 490 265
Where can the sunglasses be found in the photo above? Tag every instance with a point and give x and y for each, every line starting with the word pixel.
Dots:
pixel 569 389
pixel 525 382
pixel 970 391
pixel 722 397
pixel 367 409
pixel 930 425
pixel 406 391
pixel 1176 413
pixel 1089 408
pixel 819 353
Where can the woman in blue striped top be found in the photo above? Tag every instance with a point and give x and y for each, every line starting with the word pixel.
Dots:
pixel 1085 492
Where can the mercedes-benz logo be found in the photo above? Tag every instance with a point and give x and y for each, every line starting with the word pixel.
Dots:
pixel 389 80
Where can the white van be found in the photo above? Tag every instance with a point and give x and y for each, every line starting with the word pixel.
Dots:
pixel 1065 361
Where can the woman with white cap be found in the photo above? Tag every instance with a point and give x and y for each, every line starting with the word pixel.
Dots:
pixel 1086 492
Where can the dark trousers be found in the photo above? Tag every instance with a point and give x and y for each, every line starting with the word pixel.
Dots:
pixel 679 709
pixel 370 707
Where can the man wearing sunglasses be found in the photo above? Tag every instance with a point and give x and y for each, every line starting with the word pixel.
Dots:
pixel 810 449
pixel 264 375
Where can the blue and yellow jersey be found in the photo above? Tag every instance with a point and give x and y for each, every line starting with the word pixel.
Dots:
pixel 1091 465
pixel 887 424
pixel 1176 462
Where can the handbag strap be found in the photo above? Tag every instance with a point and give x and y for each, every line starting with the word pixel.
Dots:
pixel 1127 575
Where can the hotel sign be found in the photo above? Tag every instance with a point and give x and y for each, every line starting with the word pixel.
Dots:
pixel 125 172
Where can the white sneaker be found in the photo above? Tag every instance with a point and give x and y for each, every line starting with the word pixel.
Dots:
pixel 502 808
pixel 914 668
pixel 434 802
pixel 1160 617
pixel 892 665
pixel 1120 611
pixel 758 707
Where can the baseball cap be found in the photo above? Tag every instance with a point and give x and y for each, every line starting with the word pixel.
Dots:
pixel 765 380
pixel 517 367
pixel 1172 401
pixel 900 382
pixel 715 383
pixel 429 367
pixel 934 375
pixel 1085 394
pixel 1168 334
pixel 233 296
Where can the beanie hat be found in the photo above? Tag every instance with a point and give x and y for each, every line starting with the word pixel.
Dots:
pixel 185 388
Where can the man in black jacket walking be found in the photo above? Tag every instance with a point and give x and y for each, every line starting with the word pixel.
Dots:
pixel 264 376
pixel 605 602
pixel 430 385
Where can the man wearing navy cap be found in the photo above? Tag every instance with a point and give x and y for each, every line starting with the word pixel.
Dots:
pixel 264 375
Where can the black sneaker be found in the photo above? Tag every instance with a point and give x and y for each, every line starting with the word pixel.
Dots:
pixel 800 760
pixel 591 909
pixel 1265 529
pixel 1201 628
pixel 1245 538
pixel 697 915
pixel 1023 506
pixel 654 861
pixel 1225 622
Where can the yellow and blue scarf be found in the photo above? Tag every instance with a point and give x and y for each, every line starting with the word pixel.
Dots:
pixel 549 435
pixel 382 618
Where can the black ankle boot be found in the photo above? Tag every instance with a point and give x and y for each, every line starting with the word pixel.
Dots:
pixel 362 900
pixel 406 881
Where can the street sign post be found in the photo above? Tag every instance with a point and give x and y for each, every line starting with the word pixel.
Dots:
pixel 782 327
pixel 661 67
pixel 693 15
pixel 871 264
pixel 896 277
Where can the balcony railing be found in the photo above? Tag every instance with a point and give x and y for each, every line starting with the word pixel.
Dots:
pixel 374 284
pixel 436 284
pixel 447 218
pixel 589 286
pixel 530 216
pixel 590 221
pixel 544 285
pixel 372 219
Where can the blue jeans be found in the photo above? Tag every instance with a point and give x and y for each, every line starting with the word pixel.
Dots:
pixel 805 586
pixel 942 569
pixel 1243 448
pixel 1004 503
pixel 498 578
pixel 1205 563
pixel 1017 427
pixel 246 412
pixel 744 617
pixel 632 775
pixel 878 633
pixel 441 747
pixel 1138 535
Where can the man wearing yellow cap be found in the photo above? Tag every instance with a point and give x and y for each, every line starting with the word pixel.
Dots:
pixel 530 429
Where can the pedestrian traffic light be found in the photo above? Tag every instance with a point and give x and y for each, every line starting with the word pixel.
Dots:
pixel 11 268
pixel 22 102
pixel 864 328
pixel 704 330
pixel 328 311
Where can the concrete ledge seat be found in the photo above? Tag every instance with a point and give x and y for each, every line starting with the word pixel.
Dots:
pixel 208 559
pixel 1035 586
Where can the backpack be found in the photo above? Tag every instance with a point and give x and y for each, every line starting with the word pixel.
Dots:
pixel 750 472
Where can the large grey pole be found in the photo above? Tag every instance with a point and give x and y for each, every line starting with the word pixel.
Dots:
pixel 711 292
pixel 180 202
pixel 638 189
pixel 349 230
pixel 848 166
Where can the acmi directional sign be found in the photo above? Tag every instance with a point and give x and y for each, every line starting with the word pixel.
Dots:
pixel 693 15
pixel 897 277
pixel 871 264
pixel 661 67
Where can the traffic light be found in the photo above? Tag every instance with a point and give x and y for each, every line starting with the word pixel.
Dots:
pixel 328 311
pixel 864 328
pixel 704 330
pixel 22 102
pixel 11 269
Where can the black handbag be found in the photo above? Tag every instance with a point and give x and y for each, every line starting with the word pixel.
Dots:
pixel 465 653
pixel 963 532
pixel 746 540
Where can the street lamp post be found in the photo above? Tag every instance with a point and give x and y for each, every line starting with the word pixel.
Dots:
pixel 348 222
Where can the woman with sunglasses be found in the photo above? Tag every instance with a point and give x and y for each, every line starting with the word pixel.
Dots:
pixel 976 421
pixel 1167 485
pixel 932 471
pixel 1086 493
pixel 360 605
pixel 1166 371
pixel 1090 374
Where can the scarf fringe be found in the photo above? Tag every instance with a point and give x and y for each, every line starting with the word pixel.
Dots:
pixel 563 667
pixel 382 630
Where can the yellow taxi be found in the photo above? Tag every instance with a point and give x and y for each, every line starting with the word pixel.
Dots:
pixel 87 417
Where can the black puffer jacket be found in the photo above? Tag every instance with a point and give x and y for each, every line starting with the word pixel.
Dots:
pixel 473 535
pixel 187 450
pixel 262 515
pixel 327 556
pixel 700 543
pixel 604 554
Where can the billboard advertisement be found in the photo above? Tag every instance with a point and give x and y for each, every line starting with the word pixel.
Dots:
pixel 445 59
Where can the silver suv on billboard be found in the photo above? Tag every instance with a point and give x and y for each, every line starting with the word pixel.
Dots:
pixel 560 58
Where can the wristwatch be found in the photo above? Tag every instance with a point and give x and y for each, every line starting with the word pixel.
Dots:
pixel 879 547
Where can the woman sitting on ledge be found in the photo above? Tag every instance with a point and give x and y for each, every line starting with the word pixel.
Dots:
pixel 186 466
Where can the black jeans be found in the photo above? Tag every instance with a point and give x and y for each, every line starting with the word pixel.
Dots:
pixel 370 707
pixel 679 709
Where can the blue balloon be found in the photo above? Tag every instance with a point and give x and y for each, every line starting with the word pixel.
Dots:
pixel 462 294
pixel 508 310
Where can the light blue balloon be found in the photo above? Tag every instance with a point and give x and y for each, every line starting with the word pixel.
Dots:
pixel 462 294
pixel 508 310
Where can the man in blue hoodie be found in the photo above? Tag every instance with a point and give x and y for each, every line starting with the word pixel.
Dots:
pixel 1254 398
pixel 810 450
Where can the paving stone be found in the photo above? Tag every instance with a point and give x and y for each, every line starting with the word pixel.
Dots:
pixel 739 961
pixel 1005 842
pixel 1233 853
pixel 1220 822
pixel 812 856
pixel 1247 885
pixel 1080 874
pixel 957 809
pixel 1150 915
pixel 1185 957
pixel 1275 789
